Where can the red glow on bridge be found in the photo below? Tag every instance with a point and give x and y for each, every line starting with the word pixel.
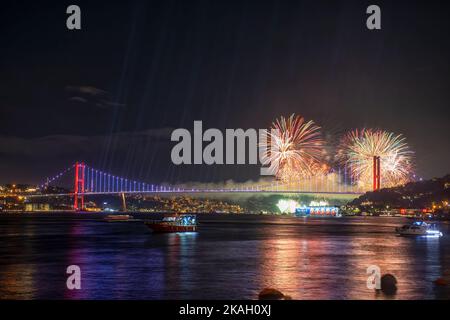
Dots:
pixel 376 173
pixel 79 186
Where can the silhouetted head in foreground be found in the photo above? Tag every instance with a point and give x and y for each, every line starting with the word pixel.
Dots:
pixel 272 294
pixel 388 284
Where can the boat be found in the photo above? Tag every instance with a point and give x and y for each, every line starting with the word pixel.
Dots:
pixel 419 228
pixel 118 217
pixel 174 223
pixel 317 211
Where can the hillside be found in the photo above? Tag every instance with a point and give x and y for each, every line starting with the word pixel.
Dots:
pixel 420 194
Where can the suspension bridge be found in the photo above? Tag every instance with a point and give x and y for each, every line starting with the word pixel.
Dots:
pixel 90 181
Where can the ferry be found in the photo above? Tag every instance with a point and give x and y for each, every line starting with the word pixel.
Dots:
pixel 174 223
pixel 316 211
pixel 419 228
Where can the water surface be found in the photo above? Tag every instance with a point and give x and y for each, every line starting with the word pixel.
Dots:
pixel 231 257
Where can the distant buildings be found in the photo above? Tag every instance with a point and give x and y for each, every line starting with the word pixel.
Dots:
pixel 14 198
pixel 37 207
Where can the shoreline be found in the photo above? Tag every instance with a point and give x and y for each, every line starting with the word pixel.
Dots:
pixel 143 215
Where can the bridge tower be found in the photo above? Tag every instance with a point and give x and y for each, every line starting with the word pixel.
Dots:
pixel 376 173
pixel 124 202
pixel 78 194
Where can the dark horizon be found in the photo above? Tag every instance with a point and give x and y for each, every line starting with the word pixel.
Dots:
pixel 110 93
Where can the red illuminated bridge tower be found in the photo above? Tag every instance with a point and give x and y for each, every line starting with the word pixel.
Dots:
pixel 78 195
pixel 376 173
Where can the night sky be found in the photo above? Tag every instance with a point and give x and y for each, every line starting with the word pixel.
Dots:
pixel 111 93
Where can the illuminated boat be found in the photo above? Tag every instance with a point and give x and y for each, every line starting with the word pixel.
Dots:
pixel 174 223
pixel 313 211
pixel 418 228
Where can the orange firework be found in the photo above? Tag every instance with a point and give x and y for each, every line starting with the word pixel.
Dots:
pixel 296 149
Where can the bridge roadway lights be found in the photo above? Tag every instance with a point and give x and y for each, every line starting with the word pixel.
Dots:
pixel 86 185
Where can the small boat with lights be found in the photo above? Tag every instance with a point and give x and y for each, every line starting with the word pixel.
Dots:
pixel 419 228
pixel 174 223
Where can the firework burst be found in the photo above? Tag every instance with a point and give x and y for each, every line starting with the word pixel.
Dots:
pixel 296 149
pixel 358 148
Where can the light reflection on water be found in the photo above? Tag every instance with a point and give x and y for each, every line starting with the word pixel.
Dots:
pixel 231 257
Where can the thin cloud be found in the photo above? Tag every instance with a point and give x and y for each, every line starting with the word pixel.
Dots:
pixel 78 99
pixel 93 96
pixel 62 145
